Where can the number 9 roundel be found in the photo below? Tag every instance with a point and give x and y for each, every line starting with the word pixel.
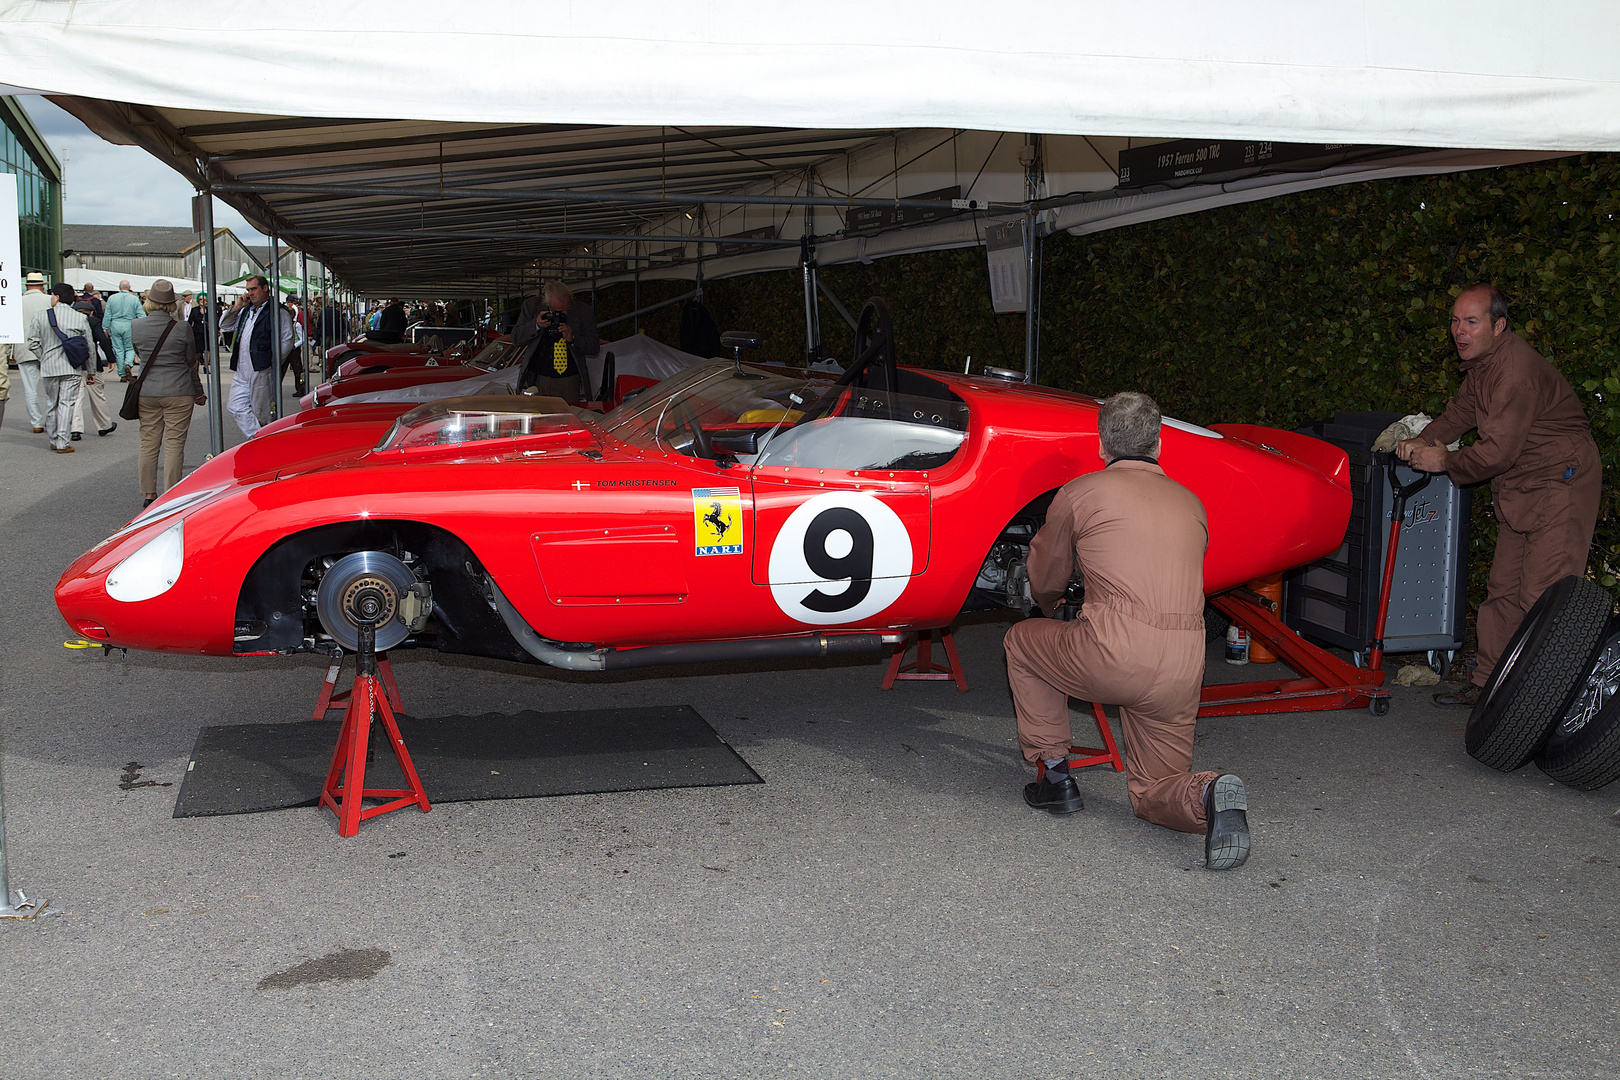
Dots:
pixel 840 558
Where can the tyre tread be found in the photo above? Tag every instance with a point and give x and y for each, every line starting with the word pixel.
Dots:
pixel 1547 676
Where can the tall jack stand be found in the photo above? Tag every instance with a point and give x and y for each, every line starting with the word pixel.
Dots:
pixel 332 698
pixel 345 788
pixel 1327 682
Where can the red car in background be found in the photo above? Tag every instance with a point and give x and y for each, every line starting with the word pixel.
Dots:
pixel 371 372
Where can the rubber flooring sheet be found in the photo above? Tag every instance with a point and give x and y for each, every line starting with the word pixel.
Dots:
pixel 249 768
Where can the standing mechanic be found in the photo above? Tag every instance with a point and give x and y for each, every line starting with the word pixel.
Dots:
pixel 1138 641
pixel 1535 447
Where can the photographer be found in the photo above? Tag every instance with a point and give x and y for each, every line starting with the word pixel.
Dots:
pixel 563 334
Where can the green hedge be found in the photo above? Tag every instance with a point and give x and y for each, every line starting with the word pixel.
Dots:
pixel 1275 312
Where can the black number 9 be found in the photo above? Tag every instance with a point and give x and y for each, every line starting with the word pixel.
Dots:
pixel 856 566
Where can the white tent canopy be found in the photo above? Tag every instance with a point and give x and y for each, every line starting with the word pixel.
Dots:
pixel 1458 73
pixel 600 142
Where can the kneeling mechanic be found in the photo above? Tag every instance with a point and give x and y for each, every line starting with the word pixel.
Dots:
pixel 1138 538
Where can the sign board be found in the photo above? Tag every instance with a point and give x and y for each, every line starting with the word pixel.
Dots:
pixel 1208 161
pixel 764 232
pixel 1009 266
pixel 12 331
pixel 871 220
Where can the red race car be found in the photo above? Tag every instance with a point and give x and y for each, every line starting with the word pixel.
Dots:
pixel 371 372
pixel 730 512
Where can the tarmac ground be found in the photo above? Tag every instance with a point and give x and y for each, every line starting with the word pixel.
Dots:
pixel 884 905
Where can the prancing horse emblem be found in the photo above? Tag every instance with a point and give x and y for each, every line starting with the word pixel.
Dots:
pixel 716 519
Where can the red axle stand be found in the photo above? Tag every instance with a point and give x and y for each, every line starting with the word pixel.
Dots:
pixel 924 667
pixel 345 787
pixel 1082 756
pixel 333 698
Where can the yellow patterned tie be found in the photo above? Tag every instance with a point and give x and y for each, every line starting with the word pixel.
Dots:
pixel 559 356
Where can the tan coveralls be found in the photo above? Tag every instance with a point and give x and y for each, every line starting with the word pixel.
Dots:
pixel 1535 447
pixel 1138 642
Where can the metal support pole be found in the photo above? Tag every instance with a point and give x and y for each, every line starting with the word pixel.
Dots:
pixel 216 403
pixel 309 331
pixel 636 300
pixel 1031 361
pixel 7 911
pixel 276 315
pixel 812 307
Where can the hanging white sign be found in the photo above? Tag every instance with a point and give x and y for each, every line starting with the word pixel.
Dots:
pixel 1009 267
pixel 11 271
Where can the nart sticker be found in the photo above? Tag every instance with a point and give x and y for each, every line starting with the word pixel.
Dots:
pixel 717 512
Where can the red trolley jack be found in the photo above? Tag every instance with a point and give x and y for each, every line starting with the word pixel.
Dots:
pixel 345 789
pixel 1325 682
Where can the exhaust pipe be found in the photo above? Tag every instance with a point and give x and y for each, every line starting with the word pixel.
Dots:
pixel 550 652
pixel 752 649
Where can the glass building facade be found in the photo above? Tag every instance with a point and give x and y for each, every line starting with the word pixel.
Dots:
pixel 39 190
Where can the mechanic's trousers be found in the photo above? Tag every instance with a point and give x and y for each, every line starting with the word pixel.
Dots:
pixel 1527 564
pixel 1153 675
pixel 123 346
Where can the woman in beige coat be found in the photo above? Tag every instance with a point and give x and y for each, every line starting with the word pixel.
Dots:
pixel 170 387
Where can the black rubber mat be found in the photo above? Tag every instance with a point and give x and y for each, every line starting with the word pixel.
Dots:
pixel 247 768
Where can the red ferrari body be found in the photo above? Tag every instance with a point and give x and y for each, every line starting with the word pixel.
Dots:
pixel 375 371
pixel 729 504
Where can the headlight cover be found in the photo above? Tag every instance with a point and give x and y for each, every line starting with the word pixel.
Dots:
pixel 152 569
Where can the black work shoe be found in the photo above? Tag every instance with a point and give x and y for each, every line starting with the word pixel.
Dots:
pixel 1467 697
pixel 148 502
pixel 1226 823
pixel 77 436
pixel 108 430
pixel 1062 797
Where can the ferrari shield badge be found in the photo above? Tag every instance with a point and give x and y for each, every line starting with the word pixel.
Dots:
pixel 717 513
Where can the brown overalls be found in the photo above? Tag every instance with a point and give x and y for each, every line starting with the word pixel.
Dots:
pixel 1535 447
pixel 1138 642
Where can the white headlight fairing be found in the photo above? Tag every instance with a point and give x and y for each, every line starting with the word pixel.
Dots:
pixel 152 569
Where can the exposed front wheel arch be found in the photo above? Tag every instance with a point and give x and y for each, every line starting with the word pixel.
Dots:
pixel 277 607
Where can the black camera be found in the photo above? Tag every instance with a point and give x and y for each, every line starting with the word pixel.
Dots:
pixel 551 320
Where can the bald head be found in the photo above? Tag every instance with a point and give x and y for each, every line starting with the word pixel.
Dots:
pixel 123 286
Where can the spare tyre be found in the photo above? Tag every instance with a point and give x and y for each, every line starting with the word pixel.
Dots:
pixel 1539 673
pixel 1583 749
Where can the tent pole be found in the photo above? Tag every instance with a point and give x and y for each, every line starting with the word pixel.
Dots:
pixel 216 407
pixel 276 314
pixel 303 299
pixel 1031 365
pixel 812 311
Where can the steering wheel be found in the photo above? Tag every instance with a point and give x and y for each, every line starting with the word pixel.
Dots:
pixel 687 417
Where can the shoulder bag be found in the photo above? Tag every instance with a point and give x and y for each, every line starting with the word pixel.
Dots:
pixel 76 348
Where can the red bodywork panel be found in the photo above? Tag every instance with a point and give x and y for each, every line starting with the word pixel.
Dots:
pixel 612 541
